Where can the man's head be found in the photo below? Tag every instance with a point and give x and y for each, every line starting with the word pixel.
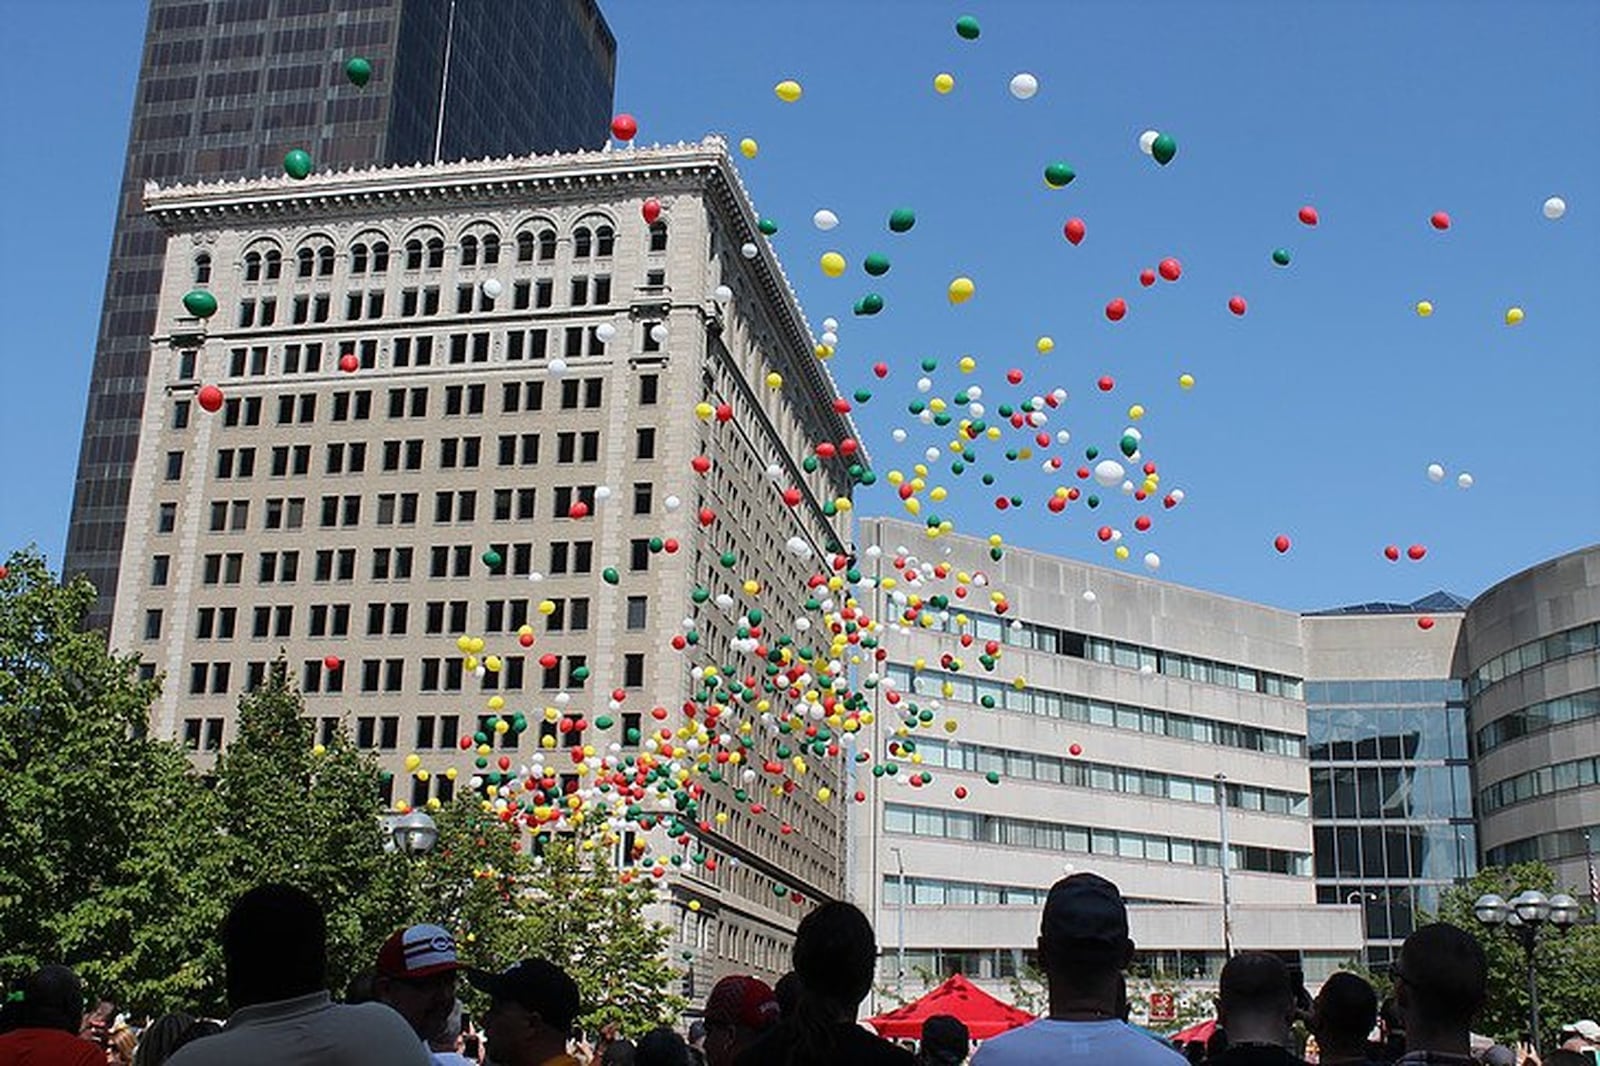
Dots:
pixel 417 977
pixel 1344 1013
pixel 532 1006
pixel 1083 936
pixel 1580 1036
pixel 945 1041
pixel 52 998
pixel 275 946
pixel 1255 1001
pixel 1439 983
pixel 835 954
pixel 738 1011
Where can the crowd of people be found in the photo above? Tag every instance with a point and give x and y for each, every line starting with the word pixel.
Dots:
pixel 404 1011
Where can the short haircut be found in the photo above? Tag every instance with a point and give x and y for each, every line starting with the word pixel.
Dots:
pixel 835 953
pixel 1255 983
pixel 52 998
pixel 1346 1010
pixel 1445 973
pixel 275 944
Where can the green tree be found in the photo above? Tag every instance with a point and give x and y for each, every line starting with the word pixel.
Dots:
pixel 468 883
pixel 104 847
pixel 1568 966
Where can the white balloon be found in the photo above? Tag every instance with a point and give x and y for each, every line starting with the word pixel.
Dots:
pixel 722 294
pixel 535 576
pixel 775 471
pixel 557 367
pixel 1152 561
pixel 1464 481
pixel 975 391
pixel 924 384
pixel 1147 141
pixel 830 324
pixel 975 410
pixel 931 455
pixel 1063 436
pixel 1177 495
pixel 1024 85
pixel 602 492
pixel 1554 208
pixel 1089 596
pixel 1108 472
pixel 605 331
pixel 658 333
pixel 824 220
pixel 749 250
pixel 1435 472
pixel 830 338
pixel 899 435
pixel 672 503
pixel 492 287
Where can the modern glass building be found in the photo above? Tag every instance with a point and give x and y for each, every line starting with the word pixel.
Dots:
pixel 226 87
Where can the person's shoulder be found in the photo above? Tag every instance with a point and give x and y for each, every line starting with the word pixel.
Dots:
pixel 1142 1049
pixel 870 1049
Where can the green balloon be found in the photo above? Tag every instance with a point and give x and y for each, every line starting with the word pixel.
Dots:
pixel 870 304
pixel 728 559
pixel 876 265
pixel 358 70
pixel 1280 256
pixel 297 163
pixel 967 28
pixel 1057 175
pixel 603 722
pixel 580 674
pixel 610 576
pixel 993 777
pixel 930 365
pixel 1129 445
pixel 767 226
pixel 200 303
pixel 1091 452
pixel 1163 149
pixel 700 594
pixel 863 395
pixel 492 559
pixel 902 218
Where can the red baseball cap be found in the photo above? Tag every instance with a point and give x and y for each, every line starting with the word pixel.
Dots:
pixel 418 951
pixel 740 1000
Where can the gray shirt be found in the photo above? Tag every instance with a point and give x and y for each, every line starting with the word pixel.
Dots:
pixel 309 1029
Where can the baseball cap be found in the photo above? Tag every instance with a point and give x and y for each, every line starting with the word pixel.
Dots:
pixel 418 951
pixel 739 1000
pixel 537 984
pixel 1586 1029
pixel 945 1039
pixel 1085 910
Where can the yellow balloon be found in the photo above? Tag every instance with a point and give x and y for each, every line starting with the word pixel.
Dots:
pixel 412 762
pixel 463 643
pixel 824 794
pixel 492 664
pixel 943 83
pixel 788 91
pixel 1186 381
pixel 833 264
pixel 1122 551
pixel 749 147
pixel 703 411
pixel 496 702
pixel 547 606
pixel 1513 316
pixel 775 380
pixel 961 290
pixel 1045 345
pixel 501 725
pixel 1424 308
pixel 1136 412
pixel 751 587
pixel 319 750
pixel 968 364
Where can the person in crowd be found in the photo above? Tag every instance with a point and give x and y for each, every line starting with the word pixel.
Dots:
pixel 359 989
pixel 1499 1055
pixel 164 1036
pixel 1439 986
pixel 532 1007
pixel 275 963
pixel 1342 1017
pixel 738 1011
pixel 835 955
pixel 472 1047
pixel 697 1042
pixel 620 1052
pixel 945 1041
pixel 1565 1056
pixel 787 993
pixel 445 1047
pixel 1083 948
pixel 662 1046
pixel 47 1022
pixel 1256 1007
pixel 120 1045
pixel 1581 1036
pixel 98 1022
pixel 416 975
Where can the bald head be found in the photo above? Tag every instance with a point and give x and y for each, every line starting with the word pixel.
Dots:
pixel 1255 999
pixel 1442 978
pixel 52 998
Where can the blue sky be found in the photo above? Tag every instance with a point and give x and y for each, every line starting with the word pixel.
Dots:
pixel 1314 416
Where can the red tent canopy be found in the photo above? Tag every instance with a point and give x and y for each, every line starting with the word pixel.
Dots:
pixel 984 1015
pixel 1201 1033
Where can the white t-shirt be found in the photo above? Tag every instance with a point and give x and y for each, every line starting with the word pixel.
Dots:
pixel 1091 1043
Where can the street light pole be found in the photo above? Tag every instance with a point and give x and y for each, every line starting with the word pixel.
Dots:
pixel 900 929
pixel 1524 915
pixel 1227 856
pixel 1365 897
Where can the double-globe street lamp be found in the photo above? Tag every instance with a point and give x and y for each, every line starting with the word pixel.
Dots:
pixel 1524 915
pixel 414 834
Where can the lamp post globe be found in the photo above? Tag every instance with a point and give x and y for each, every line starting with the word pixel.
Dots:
pixel 415 834
pixel 1491 909
pixel 1532 906
pixel 1564 911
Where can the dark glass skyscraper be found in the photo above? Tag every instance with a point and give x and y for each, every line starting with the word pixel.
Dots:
pixel 226 87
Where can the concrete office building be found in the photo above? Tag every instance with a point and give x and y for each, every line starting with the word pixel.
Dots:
pixel 1164 689
pixel 521 341
pixel 226 87
pixel 1530 659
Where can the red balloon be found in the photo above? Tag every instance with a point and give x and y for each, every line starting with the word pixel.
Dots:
pixel 1075 749
pixel 707 516
pixel 624 127
pixel 349 364
pixel 1142 523
pixel 1281 542
pixel 526 640
pixel 1014 376
pixel 841 405
pixel 1057 504
pixel 1147 277
pixel 791 497
pixel 671 545
pixel 1170 269
pixel 210 398
pixel 701 463
pixel 961 792
pixel 1116 309
pixel 1237 305
pixel 1308 215
pixel 1391 553
pixel 724 412
pixel 579 509
pixel 1416 551
pixel 1424 622
pixel 848 446
pixel 1107 383
pixel 1440 220
pixel 549 661
pixel 1074 230
pixel 1104 533
pixel 331 663
pixel 651 209
pixel 881 369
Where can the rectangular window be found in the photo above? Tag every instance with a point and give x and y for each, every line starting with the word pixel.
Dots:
pixel 644 442
pixel 638 612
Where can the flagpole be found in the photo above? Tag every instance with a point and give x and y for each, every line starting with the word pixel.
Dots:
pixel 444 82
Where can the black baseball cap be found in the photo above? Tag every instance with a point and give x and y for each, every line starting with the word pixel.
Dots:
pixel 537 984
pixel 1085 912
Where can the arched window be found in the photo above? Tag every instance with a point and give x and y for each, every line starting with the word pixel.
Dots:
pixel 435 253
pixel 658 236
pixel 547 245
pixel 358 259
pixel 325 261
pixel 274 264
pixel 605 239
pixel 582 242
pixel 305 262
pixel 413 254
pixel 491 249
pixel 252 266
pixel 380 257
pixel 469 251
pixel 202 268
pixel 525 245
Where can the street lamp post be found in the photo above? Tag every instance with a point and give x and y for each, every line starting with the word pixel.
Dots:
pixel 1365 897
pixel 1525 914
pixel 900 928
pixel 415 834
pixel 1227 855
